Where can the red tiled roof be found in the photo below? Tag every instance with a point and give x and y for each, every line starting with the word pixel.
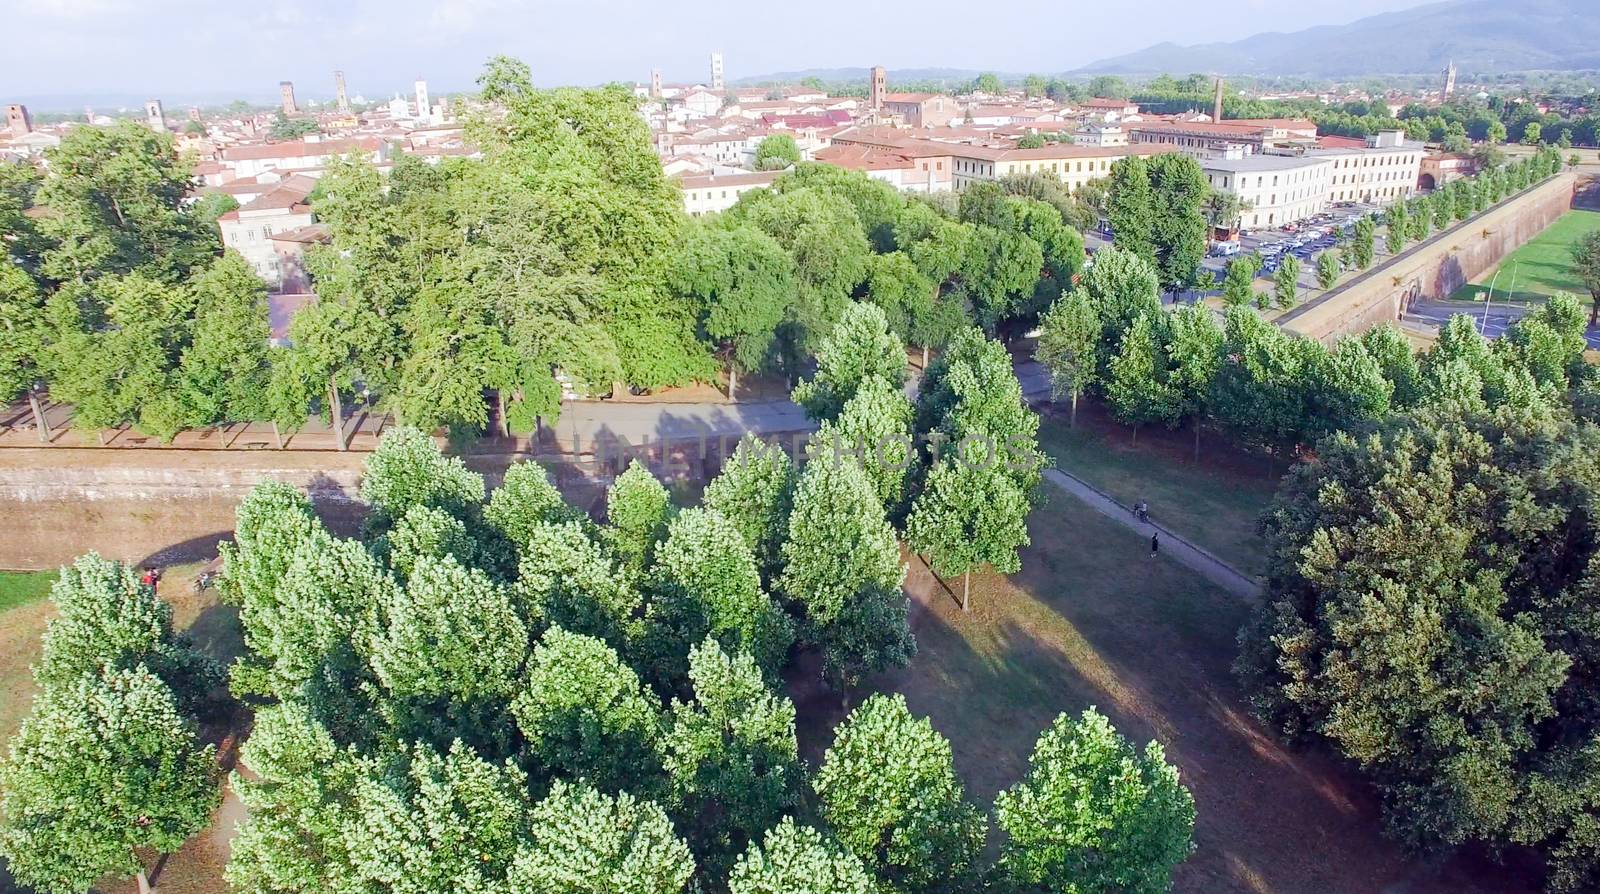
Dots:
pixel 301 149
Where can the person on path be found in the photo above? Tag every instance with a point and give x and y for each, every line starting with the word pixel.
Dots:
pixel 1155 544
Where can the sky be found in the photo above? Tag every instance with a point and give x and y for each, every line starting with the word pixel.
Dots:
pixel 225 48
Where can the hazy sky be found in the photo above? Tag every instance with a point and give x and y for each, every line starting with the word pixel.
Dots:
pixel 216 47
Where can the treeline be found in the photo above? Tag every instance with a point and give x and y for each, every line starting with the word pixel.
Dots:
pixel 1266 389
pixel 1497 119
pixel 491 692
pixel 450 289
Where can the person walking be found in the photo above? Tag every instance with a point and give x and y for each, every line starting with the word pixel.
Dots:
pixel 1155 544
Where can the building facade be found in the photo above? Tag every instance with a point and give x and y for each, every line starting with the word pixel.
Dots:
pixel 1274 189
pixel 713 193
pixel 249 229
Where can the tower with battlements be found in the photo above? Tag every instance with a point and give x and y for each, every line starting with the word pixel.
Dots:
pixel 1450 79
pixel 1216 106
pixel 155 116
pixel 286 93
pixel 18 121
pixel 716 71
pixel 341 96
pixel 879 87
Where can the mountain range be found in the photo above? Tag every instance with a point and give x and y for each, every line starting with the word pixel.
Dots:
pixel 1480 36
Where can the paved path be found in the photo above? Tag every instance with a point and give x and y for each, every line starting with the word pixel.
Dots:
pixel 1173 545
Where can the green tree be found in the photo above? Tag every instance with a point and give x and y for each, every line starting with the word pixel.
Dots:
pixel 409 470
pixel 1586 267
pixel 875 429
pixel 1178 191
pixel 755 491
pixel 1286 283
pixel 1398 225
pixel 1122 287
pixel 842 569
pixel 585 716
pixel 971 512
pixel 889 791
pixel 1194 354
pixel 859 347
pixel 103 768
pixel 1328 269
pixel 566 579
pixel 23 329
pixel 1532 134
pixel 1131 208
pixel 638 509
pixel 743 281
pixel 582 841
pixel 776 152
pixel 1093 814
pixel 1238 286
pixel 1362 243
pixel 731 757
pixel 1068 346
pixel 226 370
pixel 1137 389
pixel 525 500
pixel 1030 141
pixel 705 583
pixel 793 858
pixel 989 83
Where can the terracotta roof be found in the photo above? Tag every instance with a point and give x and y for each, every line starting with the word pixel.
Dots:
pixel 762 178
pixel 306 235
pixel 301 149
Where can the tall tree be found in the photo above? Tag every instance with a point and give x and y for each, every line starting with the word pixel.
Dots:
pixel 1328 269
pixel 731 757
pixel 1178 191
pixel 103 768
pixel 638 509
pixel 889 791
pixel 743 281
pixel 859 347
pixel 582 841
pixel 1069 337
pixel 1131 209
pixel 776 152
pixel 226 370
pixel 1194 352
pixel 755 491
pixel 1286 283
pixel 1137 387
pixel 875 429
pixel 971 512
pixel 1586 266
pixel 793 858
pixel 1093 814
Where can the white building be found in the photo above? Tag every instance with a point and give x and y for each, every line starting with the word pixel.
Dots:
pixel 1385 171
pixel 312 152
pixel 249 230
pixel 718 192
pixel 1277 189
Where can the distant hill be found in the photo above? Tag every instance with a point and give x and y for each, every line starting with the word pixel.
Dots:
pixel 1482 36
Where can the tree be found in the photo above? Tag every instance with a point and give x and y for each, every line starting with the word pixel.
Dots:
pixel 117 370
pixel 1398 226
pixel 585 716
pixel 1131 208
pixel 842 568
pixel 1093 814
pixel 1362 243
pixel 889 791
pixel 1068 345
pixel 104 766
pixel 525 500
pixel 1031 141
pixel 859 347
pixel 1178 191
pixel 225 370
pixel 1497 133
pixel 1122 287
pixel 582 841
pixel 731 757
pixel 776 152
pixel 705 583
pixel 23 329
pixel 1532 134
pixel 638 509
pixel 1586 266
pixel 1238 286
pixel 107 619
pixel 989 83
pixel 409 470
pixel 1286 283
pixel 1194 354
pixel 971 512
pixel 744 283
pixel 793 858
pixel 875 429
pixel 1137 389
pixel 567 580
pixel 1328 269
pixel 754 492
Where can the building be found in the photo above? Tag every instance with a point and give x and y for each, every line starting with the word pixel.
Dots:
pixel 1211 139
pixel 1073 165
pixel 1387 170
pixel 1275 189
pixel 301 155
pixel 424 107
pixel 655 83
pixel 1110 109
pixel 249 229
pixel 289 250
pixel 718 192
pixel 716 72
pixel 920 109
pixel 18 121
pixel 341 97
pixel 1439 168
pixel 879 87
pixel 1093 134
pixel 917 168
pixel 154 116
pixel 1450 79
pixel 286 94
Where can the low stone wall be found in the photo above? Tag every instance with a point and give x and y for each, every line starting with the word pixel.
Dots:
pixel 1433 269
pixel 151 505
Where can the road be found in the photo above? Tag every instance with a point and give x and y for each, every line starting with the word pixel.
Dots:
pixel 1493 324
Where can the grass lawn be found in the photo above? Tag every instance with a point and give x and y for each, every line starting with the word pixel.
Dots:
pixel 22 587
pixel 1215 503
pixel 1093 620
pixel 1542 267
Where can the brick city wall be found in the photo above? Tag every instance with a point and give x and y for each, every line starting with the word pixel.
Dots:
pixel 1436 269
